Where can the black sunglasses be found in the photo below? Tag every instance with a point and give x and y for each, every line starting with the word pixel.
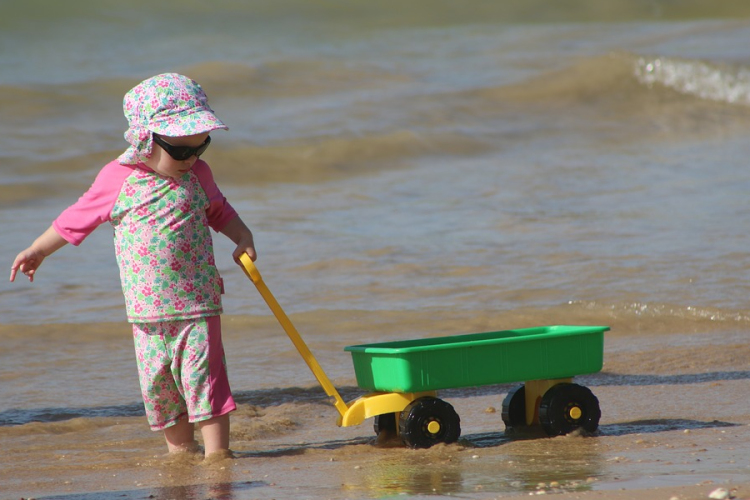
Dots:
pixel 182 153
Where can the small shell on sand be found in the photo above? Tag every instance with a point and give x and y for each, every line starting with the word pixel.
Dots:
pixel 719 494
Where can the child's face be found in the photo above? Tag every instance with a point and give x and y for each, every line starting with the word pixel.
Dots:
pixel 164 165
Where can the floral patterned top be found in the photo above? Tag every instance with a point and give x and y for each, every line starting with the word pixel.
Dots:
pixel 162 239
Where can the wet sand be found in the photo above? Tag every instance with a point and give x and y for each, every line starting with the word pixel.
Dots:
pixel 674 424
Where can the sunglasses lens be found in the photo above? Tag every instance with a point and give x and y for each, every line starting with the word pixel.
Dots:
pixel 182 153
pixel 203 147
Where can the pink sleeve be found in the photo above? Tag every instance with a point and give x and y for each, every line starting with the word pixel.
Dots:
pixel 92 209
pixel 219 211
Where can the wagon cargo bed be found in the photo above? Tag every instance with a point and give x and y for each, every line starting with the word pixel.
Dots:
pixel 547 352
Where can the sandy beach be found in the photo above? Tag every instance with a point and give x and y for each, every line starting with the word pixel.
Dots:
pixel 674 425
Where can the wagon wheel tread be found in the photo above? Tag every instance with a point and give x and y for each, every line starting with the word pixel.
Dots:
pixel 514 408
pixel 428 421
pixel 566 407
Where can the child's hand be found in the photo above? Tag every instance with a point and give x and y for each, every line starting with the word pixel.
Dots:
pixel 245 246
pixel 237 231
pixel 30 259
pixel 27 262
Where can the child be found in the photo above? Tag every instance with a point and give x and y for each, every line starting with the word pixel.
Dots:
pixel 161 199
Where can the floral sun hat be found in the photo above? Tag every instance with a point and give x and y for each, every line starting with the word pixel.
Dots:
pixel 169 104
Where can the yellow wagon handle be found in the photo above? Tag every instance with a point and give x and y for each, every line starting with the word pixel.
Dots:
pixel 252 273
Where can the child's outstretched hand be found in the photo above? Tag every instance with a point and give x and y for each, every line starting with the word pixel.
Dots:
pixel 30 259
pixel 27 262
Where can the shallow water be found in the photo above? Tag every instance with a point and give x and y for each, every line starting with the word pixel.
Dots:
pixel 408 171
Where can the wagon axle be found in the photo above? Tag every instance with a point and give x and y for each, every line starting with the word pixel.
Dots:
pixel 562 409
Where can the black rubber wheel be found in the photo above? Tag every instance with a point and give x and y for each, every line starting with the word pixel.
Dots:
pixel 514 408
pixel 567 407
pixel 428 421
pixel 385 423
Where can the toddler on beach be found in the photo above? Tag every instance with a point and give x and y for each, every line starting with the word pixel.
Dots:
pixel 161 200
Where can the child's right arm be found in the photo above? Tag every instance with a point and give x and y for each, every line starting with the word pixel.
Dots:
pixel 30 259
pixel 77 221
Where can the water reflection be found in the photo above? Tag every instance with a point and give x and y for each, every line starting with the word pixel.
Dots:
pixel 569 463
pixel 215 491
pixel 415 472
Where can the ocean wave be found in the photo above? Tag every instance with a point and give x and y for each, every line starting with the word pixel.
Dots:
pixel 627 78
pixel 290 77
pixel 663 312
pixel 702 79
pixel 326 158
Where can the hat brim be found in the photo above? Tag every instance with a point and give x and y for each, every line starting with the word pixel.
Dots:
pixel 189 122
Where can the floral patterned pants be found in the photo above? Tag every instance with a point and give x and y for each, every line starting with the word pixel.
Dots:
pixel 182 370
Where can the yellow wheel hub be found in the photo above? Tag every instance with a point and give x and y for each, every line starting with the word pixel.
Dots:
pixel 575 413
pixel 433 427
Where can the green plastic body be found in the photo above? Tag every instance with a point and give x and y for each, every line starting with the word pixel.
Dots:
pixel 546 352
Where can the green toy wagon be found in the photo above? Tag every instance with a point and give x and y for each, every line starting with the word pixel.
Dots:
pixel 404 377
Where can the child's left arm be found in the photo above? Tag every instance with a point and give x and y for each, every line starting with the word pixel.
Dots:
pixel 238 232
